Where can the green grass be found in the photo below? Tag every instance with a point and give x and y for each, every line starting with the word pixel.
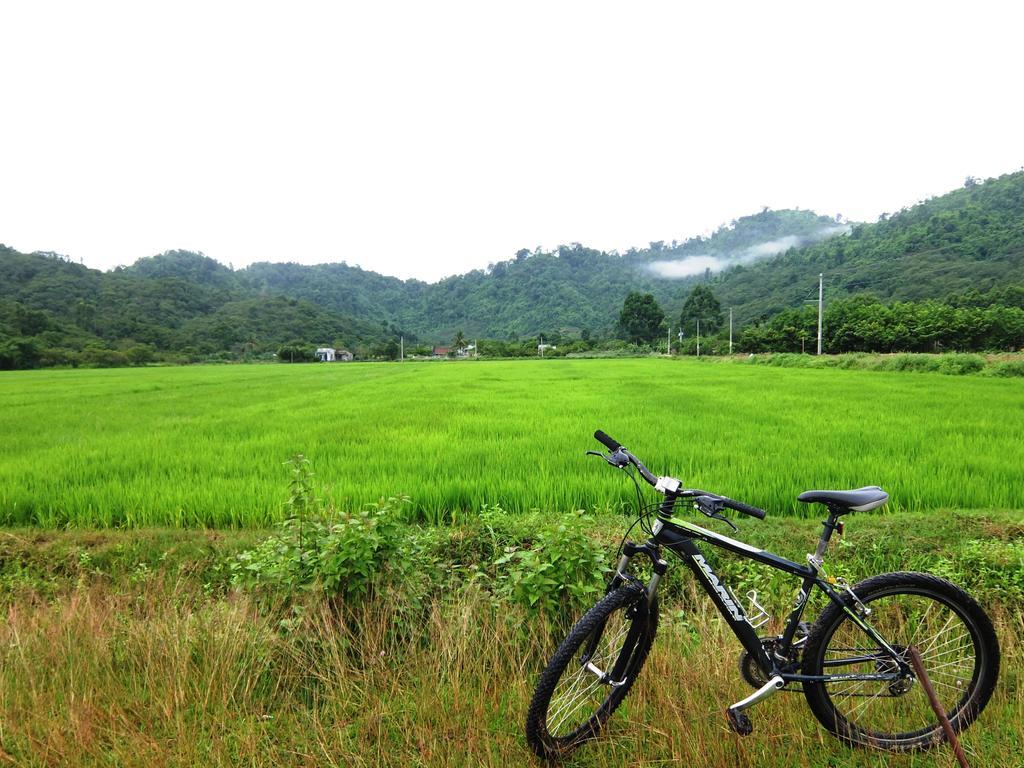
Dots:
pixel 205 446
pixel 128 648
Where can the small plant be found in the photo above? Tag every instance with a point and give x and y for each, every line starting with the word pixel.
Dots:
pixel 302 497
pixel 339 554
pixel 562 570
pixel 992 568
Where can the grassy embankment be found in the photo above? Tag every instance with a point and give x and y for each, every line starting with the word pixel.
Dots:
pixel 203 446
pixel 131 648
pixel 997 364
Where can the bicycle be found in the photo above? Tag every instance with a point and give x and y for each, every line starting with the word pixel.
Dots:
pixel 853 664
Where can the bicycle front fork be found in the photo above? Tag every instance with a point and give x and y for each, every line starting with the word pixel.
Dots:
pixel 658 564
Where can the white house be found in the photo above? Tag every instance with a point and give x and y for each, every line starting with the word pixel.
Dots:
pixel 328 355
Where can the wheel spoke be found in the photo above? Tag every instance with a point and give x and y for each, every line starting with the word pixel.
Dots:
pixel 939 642
pixel 921 623
pixel 572 705
pixel 927 649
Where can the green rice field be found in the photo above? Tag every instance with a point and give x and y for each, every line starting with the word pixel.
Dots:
pixel 206 445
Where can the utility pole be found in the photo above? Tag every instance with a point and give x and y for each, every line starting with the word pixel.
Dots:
pixel 401 354
pixel 698 337
pixel 730 330
pixel 669 347
pixel 540 347
pixel 821 294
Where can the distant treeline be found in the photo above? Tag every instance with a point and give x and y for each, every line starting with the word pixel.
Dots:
pixel 972 322
pixel 968 323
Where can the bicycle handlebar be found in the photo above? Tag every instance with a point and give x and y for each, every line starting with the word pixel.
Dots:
pixel 746 509
pixel 615 446
pixel 608 442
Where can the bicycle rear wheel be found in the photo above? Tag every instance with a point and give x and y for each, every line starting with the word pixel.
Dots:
pixel 591 672
pixel 957 644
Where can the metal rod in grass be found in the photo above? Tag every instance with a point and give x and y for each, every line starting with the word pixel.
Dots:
pixel 940 712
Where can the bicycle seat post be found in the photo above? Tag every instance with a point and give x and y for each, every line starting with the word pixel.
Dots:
pixel 831 525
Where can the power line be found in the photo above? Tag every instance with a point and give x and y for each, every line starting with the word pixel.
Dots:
pixel 821 302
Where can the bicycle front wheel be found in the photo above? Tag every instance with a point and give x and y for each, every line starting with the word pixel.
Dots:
pixel 958 648
pixel 591 672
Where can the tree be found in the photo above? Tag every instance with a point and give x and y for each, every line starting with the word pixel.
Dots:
pixel 18 353
pixel 388 349
pixel 295 352
pixel 641 318
pixel 701 304
pixel 460 341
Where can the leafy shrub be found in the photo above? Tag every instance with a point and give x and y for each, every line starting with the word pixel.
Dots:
pixel 340 554
pixel 988 569
pixel 100 357
pixel 852 360
pixel 960 365
pixel 919 363
pixel 791 360
pixel 1007 368
pixel 296 352
pixel 955 364
pixel 559 572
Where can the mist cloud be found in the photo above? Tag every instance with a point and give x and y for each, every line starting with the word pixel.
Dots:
pixel 698 264
pixel 692 265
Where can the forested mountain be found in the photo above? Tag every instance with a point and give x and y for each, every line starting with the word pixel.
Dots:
pixel 970 240
pixel 56 311
pixel 968 244
pixel 571 289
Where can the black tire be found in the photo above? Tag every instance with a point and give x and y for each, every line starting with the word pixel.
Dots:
pixel 958 647
pixel 571 704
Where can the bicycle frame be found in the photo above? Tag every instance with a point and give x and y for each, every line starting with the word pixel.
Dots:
pixel 679 537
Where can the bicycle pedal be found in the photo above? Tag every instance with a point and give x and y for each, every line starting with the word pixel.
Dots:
pixel 739 722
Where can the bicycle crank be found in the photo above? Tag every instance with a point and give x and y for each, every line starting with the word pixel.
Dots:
pixel 738 719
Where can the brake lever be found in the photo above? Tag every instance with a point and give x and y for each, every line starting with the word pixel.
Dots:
pixel 725 520
pixel 712 510
pixel 617 459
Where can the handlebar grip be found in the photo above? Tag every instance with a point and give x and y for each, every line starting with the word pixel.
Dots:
pixel 746 509
pixel 608 442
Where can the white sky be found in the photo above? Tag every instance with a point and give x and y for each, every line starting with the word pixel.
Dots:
pixel 429 138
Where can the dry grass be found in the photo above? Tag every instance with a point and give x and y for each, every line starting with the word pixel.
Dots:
pixel 157 674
